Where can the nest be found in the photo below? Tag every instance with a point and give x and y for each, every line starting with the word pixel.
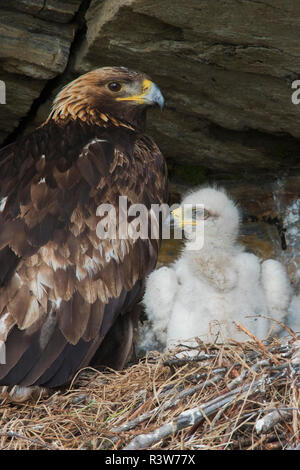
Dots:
pixel 225 396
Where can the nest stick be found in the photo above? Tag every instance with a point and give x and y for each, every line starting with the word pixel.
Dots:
pixel 167 405
pixel 192 416
pixel 259 343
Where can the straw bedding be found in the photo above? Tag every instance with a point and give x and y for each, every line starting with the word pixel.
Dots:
pixel 228 396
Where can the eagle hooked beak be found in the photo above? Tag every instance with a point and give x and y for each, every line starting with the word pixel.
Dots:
pixel 150 95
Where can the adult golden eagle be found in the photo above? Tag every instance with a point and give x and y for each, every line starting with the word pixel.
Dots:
pixel 65 295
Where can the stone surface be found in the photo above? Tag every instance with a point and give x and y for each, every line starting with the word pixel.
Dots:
pixel 20 94
pixel 38 49
pixel 33 51
pixel 52 10
pixel 226 69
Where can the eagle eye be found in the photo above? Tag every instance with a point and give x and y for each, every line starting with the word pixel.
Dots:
pixel 115 86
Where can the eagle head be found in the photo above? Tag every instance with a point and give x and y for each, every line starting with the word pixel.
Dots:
pixel 109 94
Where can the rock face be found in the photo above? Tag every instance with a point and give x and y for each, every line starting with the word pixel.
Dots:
pixel 226 69
pixel 53 10
pixel 35 47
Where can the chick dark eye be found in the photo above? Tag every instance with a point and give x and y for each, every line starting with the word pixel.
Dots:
pixel 200 212
pixel 114 86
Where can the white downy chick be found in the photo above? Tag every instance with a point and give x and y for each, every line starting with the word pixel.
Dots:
pixel 215 283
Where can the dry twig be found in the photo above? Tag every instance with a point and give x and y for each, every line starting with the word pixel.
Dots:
pixel 151 403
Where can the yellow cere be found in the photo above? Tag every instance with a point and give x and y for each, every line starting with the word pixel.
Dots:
pixel 139 98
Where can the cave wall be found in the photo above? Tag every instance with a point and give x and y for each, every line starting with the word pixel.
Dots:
pixel 225 67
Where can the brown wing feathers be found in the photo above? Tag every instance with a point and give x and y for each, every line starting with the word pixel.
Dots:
pixel 65 295
pixel 51 252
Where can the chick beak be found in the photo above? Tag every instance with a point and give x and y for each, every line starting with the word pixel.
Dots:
pixel 178 218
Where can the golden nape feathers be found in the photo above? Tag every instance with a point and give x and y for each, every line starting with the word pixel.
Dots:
pixel 107 96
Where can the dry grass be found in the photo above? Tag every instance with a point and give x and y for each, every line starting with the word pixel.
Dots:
pixel 229 388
